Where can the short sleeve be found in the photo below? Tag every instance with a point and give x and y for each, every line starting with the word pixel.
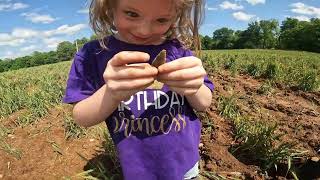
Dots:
pixel 207 81
pixel 80 83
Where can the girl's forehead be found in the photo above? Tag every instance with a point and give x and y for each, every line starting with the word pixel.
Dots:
pixel 165 7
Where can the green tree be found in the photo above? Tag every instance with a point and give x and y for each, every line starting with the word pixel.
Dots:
pixel 300 35
pixel 224 38
pixel 65 51
pixel 80 42
pixel 93 37
pixel 311 35
pixel 206 42
pixel 253 35
pixel 37 59
pixel 52 57
pixel 269 33
pixel 1 66
pixel 20 62
pixel 238 40
pixel 289 31
pixel 5 65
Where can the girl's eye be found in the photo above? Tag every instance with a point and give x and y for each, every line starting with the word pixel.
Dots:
pixel 163 20
pixel 131 14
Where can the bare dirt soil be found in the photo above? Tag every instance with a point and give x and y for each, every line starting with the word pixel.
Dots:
pixel 46 154
pixel 297 114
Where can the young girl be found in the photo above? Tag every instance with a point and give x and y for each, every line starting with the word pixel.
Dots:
pixel 156 131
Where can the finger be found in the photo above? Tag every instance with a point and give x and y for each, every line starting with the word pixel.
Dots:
pixel 131 71
pixel 129 84
pixel 136 71
pixel 194 83
pixel 128 57
pixel 134 91
pixel 182 63
pixel 183 74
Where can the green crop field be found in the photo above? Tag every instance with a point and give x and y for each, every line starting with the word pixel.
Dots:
pixel 28 95
pixel 32 90
pixel 300 70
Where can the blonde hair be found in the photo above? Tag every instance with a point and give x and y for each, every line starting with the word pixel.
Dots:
pixel 189 17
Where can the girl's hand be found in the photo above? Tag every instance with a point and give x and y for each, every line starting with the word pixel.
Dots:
pixel 184 76
pixel 127 73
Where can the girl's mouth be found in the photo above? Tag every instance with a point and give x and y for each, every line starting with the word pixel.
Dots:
pixel 140 39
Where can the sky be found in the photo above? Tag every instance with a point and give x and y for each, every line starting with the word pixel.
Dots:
pixel 40 25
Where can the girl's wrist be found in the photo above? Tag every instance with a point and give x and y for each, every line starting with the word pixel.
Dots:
pixel 111 96
pixel 201 99
pixel 195 94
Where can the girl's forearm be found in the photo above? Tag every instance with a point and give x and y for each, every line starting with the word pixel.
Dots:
pixel 201 100
pixel 94 109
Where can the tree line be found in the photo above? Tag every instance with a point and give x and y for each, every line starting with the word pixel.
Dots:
pixel 292 34
pixel 64 52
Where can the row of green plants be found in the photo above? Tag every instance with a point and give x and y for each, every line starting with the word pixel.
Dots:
pixel 296 70
pixel 6 147
pixel 30 93
pixel 27 95
pixel 257 141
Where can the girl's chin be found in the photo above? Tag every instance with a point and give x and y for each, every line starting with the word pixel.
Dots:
pixel 160 41
pixel 138 41
pixel 135 40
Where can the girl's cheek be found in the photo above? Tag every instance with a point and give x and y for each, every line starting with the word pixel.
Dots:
pixel 163 30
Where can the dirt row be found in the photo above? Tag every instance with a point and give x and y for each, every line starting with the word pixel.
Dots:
pixel 297 114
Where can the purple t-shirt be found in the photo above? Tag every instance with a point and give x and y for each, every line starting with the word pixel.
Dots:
pixel 156 132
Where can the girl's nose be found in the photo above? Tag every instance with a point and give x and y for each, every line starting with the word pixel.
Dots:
pixel 144 30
